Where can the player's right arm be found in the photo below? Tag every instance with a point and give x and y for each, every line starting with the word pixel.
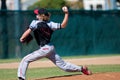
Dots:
pixel 65 20
pixel 55 26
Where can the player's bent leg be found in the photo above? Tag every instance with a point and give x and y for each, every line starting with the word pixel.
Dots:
pixel 26 60
pixel 23 67
pixel 38 54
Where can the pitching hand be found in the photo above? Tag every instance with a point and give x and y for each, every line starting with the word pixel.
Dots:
pixel 65 9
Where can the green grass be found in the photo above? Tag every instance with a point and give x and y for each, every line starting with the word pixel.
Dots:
pixel 9 60
pixel 11 74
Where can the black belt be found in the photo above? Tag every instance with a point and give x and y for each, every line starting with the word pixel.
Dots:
pixel 43 43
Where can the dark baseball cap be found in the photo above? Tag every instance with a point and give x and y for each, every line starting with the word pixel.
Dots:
pixel 41 11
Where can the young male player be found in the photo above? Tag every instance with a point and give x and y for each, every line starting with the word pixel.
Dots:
pixel 43 29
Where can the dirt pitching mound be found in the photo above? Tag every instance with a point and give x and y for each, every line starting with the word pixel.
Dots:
pixel 96 76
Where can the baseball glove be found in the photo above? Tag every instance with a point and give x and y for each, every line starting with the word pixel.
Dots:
pixel 28 39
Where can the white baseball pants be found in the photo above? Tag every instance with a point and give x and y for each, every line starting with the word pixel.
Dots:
pixel 47 51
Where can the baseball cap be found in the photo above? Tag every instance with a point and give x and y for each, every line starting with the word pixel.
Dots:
pixel 41 11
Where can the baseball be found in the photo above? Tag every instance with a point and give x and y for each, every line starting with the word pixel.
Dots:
pixel 64 8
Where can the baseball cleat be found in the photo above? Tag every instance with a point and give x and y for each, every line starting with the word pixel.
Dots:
pixel 19 78
pixel 86 71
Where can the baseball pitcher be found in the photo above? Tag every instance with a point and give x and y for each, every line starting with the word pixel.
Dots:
pixel 43 29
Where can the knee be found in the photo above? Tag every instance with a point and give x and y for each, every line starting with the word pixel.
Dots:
pixel 25 59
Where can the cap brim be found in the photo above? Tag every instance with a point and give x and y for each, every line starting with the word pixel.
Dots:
pixel 36 11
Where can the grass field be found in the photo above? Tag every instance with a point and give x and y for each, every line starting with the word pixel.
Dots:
pixel 11 74
pixel 35 73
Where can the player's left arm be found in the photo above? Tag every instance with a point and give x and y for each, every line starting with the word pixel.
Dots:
pixel 65 20
pixel 25 34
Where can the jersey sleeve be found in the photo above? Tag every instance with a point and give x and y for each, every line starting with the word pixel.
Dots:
pixel 54 26
pixel 33 24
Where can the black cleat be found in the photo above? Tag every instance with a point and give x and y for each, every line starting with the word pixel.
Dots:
pixel 19 78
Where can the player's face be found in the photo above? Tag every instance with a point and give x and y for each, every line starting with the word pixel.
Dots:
pixel 37 16
pixel 40 17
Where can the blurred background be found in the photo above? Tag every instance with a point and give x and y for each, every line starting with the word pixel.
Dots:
pixel 93 26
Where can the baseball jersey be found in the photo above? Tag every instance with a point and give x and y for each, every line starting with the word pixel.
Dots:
pixel 43 30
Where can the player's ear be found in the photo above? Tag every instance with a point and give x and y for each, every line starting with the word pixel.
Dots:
pixel 42 14
pixel 49 14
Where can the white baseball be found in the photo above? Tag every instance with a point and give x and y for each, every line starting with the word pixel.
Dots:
pixel 64 8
